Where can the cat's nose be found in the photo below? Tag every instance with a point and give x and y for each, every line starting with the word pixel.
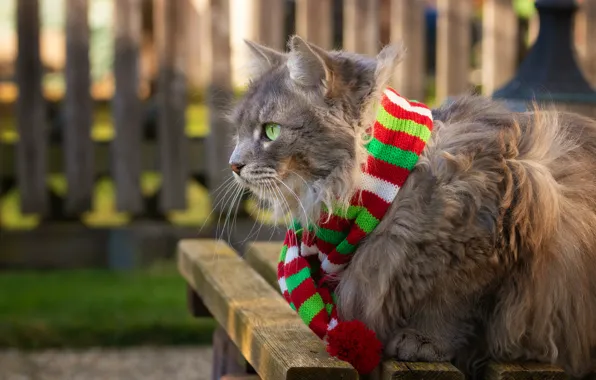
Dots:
pixel 236 167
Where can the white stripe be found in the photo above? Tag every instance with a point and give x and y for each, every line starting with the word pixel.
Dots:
pixel 291 254
pixel 387 191
pixel 308 250
pixel 282 284
pixel 332 324
pixel 403 103
pixel 322 256
pixel 329 267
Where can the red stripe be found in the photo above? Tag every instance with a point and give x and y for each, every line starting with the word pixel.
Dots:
pixel 303 292
pixel 398 112
pixel 334 222
pixel 398 139
pixel 324 247
pixel 287 297
pixel 337 258
pixel 280 270
pixel 308 238
pixel 356 235
pixel 291 238
pixel 319 323
pixel 412 102
pixel 374 204
pixel 325 295
pixel 390 173
pixel 295 266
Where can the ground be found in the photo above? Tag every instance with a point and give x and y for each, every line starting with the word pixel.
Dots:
pixel 146 363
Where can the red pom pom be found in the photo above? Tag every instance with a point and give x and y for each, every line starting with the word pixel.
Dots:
pixel 354 343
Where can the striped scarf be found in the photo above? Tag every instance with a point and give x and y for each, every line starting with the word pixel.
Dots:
pixel 312 257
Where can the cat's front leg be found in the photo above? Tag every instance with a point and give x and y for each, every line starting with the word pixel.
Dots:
pixel 411 345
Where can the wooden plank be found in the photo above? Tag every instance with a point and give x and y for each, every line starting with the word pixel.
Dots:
pixel 170 40
pixel 78 109
pixel 240 377
pixel 262 257
pixel 434 371
pixel 408 25
pixel 361 26
pixel 524 371
pixel 453 47
pixel 394 370
pixel 255 316
pixel 314 21
pixel 30 112
pixel 219 97
pixel 126 147
pixel 499 39
pixel 268 22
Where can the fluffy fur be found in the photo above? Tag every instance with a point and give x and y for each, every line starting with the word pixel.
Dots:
pixel 489 250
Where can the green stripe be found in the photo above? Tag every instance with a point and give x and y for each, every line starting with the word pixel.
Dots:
pixel 366 221
pixel 330 236
pixel 391 154
pixel 311 307
pixel 292 306
pixel 404 125
pixel 329 308
pixel 345 248
pixel 296 226
pixel 351 213
pixel 296 279
pixel 282 254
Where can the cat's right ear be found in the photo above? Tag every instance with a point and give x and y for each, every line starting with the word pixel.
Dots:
pixel 262 58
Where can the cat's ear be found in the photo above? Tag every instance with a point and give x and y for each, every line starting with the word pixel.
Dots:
pixel 387 61
pixel 309 65
pixel 262 58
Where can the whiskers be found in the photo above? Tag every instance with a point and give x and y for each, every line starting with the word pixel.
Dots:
pixel 283 201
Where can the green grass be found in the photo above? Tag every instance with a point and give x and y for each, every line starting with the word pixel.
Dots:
pixel 97 308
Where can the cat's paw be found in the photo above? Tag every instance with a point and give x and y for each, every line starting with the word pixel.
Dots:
pixel 412 347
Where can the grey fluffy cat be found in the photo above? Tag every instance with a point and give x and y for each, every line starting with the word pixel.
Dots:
pixel 489 250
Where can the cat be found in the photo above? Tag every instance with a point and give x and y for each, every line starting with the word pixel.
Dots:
pixel 489 249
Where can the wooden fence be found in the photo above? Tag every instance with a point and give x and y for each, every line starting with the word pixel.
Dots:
pixel 365 24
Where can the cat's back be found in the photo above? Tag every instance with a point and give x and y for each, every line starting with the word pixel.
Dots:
pixel 517 189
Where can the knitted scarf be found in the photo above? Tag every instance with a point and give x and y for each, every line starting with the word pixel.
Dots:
pixel 312 258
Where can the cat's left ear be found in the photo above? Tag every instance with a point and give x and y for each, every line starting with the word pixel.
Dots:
pixel 309 65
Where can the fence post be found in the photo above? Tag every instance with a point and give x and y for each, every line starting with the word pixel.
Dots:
pixel 408 25
pixel 314 21
pixel 219 96
pixel 588 25
pixel 268 22
pixel 126 147
pixel 170 39
pixel 30 112
pixel 361 26
pixel 453 47
pixel 499 44
pixel 78 109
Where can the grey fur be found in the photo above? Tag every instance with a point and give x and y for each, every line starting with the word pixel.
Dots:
pixel 489 250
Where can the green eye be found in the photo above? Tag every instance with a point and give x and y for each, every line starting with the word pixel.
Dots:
pixel 272 131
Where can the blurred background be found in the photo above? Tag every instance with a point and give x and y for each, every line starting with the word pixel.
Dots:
pixel 113 145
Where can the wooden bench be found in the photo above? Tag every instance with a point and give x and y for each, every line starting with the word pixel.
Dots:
pixel 243 297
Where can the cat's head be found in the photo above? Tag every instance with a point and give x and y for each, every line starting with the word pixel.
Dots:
pixel 299 127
